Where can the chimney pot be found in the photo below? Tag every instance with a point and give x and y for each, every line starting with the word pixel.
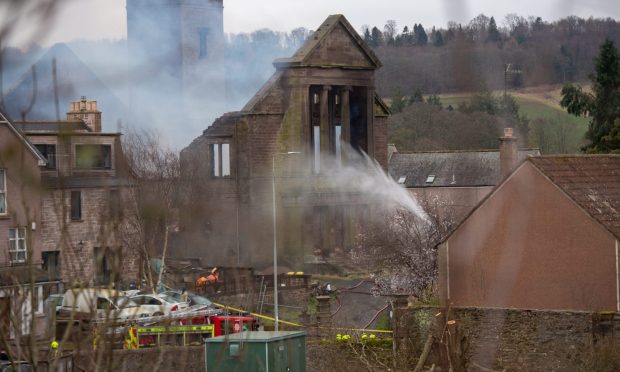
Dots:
pixel 508 132
pixel 94 105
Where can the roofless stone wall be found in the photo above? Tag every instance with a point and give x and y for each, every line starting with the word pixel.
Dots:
pixel 518 340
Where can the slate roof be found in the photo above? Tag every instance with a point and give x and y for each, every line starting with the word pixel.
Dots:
pixel 451 169
pixel 40 158
pixel 301 55
pixel 52 126
pixel 591 181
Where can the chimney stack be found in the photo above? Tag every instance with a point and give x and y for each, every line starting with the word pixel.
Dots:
pixel 87 112
pixel 508 153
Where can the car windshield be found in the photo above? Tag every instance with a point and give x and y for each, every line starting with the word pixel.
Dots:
pixel 199 300
pixel 174 295
pixel 169 299
pixel 123 302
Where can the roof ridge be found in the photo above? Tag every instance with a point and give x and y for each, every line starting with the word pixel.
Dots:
pixel 586 177
pixel 460 151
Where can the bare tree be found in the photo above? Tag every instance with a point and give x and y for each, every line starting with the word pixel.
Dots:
pixel 402 250
pixel 156 168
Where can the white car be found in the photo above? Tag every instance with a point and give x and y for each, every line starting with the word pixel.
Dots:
pixel 158 305
pixel 99 303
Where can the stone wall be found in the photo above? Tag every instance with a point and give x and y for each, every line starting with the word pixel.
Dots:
pixel 94 229
pixel 523 340
pixel 172 358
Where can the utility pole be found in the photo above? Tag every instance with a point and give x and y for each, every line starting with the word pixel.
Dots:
pixel 506 78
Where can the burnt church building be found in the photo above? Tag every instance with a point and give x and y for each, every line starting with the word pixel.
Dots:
pixel 319 106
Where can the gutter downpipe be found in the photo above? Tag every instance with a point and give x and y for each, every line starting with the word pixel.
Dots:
pixel 617 280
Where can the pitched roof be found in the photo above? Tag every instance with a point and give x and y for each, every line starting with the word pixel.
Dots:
pixel 303 54
pixel 74 79
pixel 591 181
pixel 450 169
pixel 33 150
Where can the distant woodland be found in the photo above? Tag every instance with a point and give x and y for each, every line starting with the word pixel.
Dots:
pixel 419 64
pixel 482 53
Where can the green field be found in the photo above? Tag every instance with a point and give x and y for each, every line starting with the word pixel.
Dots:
pixel 559 133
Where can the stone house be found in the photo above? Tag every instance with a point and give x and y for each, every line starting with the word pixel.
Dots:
pixel 545 238
pixel 21 240
pixel 319 105
pixel 85 234
pixel 452 183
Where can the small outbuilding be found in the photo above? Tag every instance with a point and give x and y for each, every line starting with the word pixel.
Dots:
pixel 545 238
pixel 256 351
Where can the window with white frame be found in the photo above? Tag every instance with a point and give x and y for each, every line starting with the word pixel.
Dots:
pixel 220 159
pixel 2 191
pixel 17 244
pixel 38 300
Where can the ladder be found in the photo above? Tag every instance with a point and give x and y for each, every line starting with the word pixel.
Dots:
pixel 261 295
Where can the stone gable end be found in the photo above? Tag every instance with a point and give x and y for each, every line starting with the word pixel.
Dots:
pixel 339 48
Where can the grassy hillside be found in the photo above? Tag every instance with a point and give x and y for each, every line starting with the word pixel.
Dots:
pixel 552 129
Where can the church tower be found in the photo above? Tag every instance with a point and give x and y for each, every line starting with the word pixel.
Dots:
pixel 176 60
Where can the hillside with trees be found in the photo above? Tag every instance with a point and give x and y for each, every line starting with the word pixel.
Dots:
pixel 487 52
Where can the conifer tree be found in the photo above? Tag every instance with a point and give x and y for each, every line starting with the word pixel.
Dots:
pixel 602 105
pixel 493 34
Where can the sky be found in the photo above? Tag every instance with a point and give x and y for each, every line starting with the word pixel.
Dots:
pixel 105 19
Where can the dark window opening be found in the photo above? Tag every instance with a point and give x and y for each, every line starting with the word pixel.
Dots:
pixel 353 132
pixel 203 33
pixel 93 156
pixel 76 205
pixel 49 152
pixel 107 265
pixel 51 264
pixel 315 127
pixel 358 113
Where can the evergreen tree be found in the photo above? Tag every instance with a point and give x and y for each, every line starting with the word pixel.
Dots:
pixel 416 97
pixel 438 39
pixel 434 100
pixel 493 34
pixel 420 35
pixel 368 37
pixel 377 37
pixel 602 105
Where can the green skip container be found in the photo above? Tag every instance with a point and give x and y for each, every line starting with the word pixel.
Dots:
pixel 261 351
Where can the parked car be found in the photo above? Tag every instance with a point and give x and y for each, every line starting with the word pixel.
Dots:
pixel 194 301
pixel 6 366
pixel 100 303
pixel 158 304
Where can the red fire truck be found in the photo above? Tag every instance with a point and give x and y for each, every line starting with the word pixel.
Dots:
pixel 225 324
